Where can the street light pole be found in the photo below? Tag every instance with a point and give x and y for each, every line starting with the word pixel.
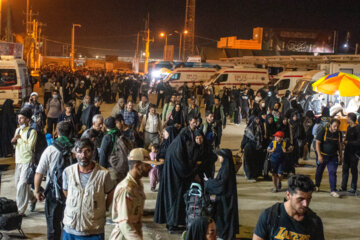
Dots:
pixel 180 46
pixel 73 45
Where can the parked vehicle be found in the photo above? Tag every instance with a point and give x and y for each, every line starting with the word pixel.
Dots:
pixel 229 77
pixel 189 75
pixel 287 81
pixel 14 80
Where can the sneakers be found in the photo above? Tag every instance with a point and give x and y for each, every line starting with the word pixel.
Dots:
pixel 334 194
pixel 274 190
pixel 32 206
pixel 153 189
pixel 352 191
pixel 251 180
pixel 317 189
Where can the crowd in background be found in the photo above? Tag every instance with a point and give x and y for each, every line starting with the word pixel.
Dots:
pixel 279 131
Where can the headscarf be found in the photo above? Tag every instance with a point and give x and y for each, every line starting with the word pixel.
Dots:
pixel 225 182
pixel 271 128
pixel 254 132
pixel 198 228
pixel 177 116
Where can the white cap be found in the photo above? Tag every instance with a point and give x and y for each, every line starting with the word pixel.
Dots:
pixel 34 93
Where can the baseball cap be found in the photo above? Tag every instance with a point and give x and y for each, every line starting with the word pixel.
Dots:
pixel 140 154
pixel 279 134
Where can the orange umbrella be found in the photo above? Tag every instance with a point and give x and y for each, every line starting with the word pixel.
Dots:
pixel 347 84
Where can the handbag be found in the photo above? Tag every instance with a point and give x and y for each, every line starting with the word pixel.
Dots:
pixel 238 160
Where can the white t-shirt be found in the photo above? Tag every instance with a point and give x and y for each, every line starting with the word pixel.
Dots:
pixel 47 161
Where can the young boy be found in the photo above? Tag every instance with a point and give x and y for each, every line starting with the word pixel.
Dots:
pixel 277 148
pixel 154 173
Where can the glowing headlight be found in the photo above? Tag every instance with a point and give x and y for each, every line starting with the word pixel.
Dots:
pixel 155 74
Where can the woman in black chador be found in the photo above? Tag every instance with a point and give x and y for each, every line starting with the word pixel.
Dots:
pixel 8 124
pixel 178 171
pixel 226 205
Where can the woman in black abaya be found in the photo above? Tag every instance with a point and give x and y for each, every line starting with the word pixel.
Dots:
pixel 169 135
pixel 226 205
pixel 251 145
pixel 7 128
pixel 177 173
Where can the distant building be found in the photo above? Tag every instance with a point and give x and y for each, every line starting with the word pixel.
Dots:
pixel 288 40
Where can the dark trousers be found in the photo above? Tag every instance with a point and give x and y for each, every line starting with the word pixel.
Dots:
pixel 219 128
pixel 245 113
pixel 350 162
pixel 161 97
pixel 51 125
pixel 332 164
pixel 113 96
pixel 54 213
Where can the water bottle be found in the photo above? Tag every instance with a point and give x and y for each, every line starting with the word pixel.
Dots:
pixel 49 139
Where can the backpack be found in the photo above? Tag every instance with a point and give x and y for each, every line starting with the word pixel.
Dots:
pixel 118 157
pixel 53 189
pixel 39 148
pixel 10 219
pixel 283 144
pixel 273 219
pixel 197 204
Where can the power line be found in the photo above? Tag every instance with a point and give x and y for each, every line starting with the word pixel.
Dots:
pixel 88 47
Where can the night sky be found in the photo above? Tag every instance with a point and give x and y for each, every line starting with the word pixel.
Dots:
pixel 114 23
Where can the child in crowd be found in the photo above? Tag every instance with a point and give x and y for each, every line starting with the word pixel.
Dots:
pixel 277 148
pixel 154 173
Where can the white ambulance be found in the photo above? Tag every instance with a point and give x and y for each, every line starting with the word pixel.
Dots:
pixel 14 80
pixel 287 81
pixel 189 75
pixel 229 77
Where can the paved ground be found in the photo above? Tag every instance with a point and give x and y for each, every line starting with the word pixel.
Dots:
pixel 341 217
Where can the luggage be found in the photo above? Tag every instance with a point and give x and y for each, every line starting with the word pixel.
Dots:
pixel 238 160
pixel 197 204
pixel 7 206
pixel 10 219
pixel 267 166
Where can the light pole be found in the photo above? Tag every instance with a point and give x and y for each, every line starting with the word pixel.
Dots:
pixel 165 47
pixel 73 45
pixel 180 42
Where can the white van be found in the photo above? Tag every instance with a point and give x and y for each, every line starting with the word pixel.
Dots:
pixel 287 81
pixel 229 77
pixel 190 75
pixel 14 80
pixel 352 68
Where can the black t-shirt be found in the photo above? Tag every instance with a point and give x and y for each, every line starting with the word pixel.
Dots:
pixel 289 228
pixel 330 143
pixel 244 100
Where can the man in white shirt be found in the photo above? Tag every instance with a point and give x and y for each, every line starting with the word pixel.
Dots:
pixel 151 127
pixel 54 209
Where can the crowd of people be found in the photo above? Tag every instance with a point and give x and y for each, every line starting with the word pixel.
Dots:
pixel 93 164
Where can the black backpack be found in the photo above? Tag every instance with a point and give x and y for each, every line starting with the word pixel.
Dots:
pixel 274 219
pixel 10 219
pixel 197 204
pixel 54 188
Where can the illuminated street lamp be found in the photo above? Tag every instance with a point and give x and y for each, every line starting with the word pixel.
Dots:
pixel 164 35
